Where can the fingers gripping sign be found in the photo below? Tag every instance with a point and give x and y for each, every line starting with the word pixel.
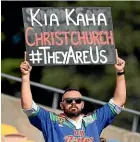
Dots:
pixel 25 66
pixel 119 66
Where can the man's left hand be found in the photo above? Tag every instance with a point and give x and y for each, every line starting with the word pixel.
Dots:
pixel 119 66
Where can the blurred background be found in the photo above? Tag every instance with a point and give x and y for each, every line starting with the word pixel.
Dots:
pixel 94 81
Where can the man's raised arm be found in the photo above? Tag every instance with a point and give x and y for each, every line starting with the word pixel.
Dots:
pixel 26 96
pixel 106 114
pixel 120 90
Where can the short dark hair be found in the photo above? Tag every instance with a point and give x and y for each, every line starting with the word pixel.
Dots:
pixel 103 139
pixel 71 89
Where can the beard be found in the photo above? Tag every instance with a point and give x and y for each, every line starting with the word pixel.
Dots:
pixel 71 112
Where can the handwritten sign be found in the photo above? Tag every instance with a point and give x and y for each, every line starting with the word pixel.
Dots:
pixel 69 36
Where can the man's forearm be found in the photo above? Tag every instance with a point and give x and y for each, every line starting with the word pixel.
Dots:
pixel 120 91
pixel 26 96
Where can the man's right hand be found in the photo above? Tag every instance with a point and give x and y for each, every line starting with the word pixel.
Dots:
pixel 25 67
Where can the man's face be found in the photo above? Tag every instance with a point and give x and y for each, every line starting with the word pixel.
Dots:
pixel 72 103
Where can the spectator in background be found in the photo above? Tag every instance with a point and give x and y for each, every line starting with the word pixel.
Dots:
pixel 103 140
pixel 10 134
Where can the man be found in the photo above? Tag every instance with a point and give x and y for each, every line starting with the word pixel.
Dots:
pixel 72 126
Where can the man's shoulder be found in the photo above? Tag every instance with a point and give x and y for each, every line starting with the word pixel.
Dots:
pixel 90 117
pixel 57 117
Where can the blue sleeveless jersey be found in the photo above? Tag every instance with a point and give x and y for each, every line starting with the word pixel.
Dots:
pixel 56 128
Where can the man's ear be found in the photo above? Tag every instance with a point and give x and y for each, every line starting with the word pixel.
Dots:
pixel 83 103
pixel 61 106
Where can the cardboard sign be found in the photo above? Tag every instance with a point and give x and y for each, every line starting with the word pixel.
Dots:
pixel 69 36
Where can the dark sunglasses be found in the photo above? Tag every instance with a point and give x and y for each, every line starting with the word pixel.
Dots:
pixel 70 100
